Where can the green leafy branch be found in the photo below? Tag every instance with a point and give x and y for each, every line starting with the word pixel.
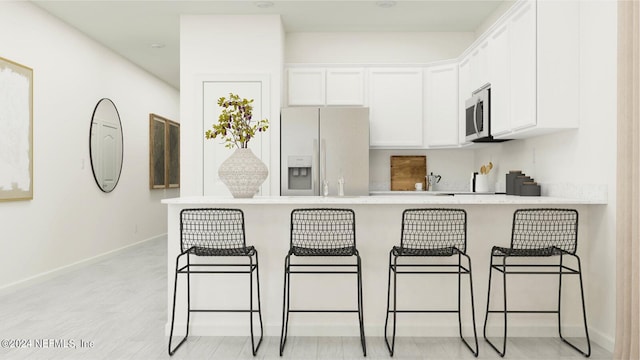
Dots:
pixel 234 123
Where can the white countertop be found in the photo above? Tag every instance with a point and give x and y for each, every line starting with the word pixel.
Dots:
pixel 424 193
pixel 418 199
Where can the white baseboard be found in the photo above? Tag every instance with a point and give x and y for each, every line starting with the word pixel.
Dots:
pixel 39 278
pixel 607 342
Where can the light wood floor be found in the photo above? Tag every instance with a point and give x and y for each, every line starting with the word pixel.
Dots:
pixel 119 304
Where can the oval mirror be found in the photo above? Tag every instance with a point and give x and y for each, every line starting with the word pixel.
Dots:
pixel 105 145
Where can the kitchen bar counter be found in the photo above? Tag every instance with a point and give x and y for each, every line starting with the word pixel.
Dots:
pixel 378 219
pixel 406 198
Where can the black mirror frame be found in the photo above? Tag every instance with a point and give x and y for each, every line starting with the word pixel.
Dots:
pixel 93 170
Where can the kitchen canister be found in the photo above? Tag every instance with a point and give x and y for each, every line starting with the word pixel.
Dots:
pixel 482 183
pixel 530 188
pixel 511 181
pixel 517 184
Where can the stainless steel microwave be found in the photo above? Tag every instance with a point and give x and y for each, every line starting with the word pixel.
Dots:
pixel 478 115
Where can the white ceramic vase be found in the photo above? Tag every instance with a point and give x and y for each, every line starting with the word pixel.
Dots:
pixel 243 173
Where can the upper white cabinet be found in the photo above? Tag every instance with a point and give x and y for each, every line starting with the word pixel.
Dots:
pixel 441 105
pixel 532 57
pixel 499 69
pixel 395 107
pixel 558 70
pixel 345 86
pixel 479 62
pixel 464 92
pixel 325 86
pixel 306 86
pixel 522 66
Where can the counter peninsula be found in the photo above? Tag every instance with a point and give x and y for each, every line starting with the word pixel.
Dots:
pixel 378 221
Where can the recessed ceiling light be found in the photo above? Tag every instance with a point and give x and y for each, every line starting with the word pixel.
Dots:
pixel 157 45
pixel 263 4
pixel 386 4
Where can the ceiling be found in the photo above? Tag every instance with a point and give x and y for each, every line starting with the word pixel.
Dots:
pixel 147 32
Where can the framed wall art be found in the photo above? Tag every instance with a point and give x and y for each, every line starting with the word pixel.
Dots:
pixel 164 153
pixel 16 137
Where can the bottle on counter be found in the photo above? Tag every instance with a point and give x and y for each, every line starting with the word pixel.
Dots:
pixel 472 182
pixel 340 186
pixel 325 188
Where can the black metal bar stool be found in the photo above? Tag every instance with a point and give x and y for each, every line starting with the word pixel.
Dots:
pixel 430 233
pixel 215 233
pixel 321 233
pixel 538 233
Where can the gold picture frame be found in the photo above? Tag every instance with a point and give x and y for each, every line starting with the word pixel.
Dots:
pixel 16 139
pixel 164 153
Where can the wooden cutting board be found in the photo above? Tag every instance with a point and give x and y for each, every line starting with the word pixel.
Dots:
pixel 406 171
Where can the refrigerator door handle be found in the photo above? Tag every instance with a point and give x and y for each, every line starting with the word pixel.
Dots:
pixel 323 159
pixel 315 173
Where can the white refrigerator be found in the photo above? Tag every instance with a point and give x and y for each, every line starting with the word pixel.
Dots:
pixel 324 144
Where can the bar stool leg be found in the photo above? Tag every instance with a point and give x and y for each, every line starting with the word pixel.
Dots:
pixel 254 348
pixel 285 303
pixel 473 311
pixel 584 311
pixel 486 318
pixel 173 311
pixel 393 269
pixel 360 305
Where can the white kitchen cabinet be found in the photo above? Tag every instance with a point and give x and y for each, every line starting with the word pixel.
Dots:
pixel 306 86
pixel 532 63
pixel 479 63
pixel 543 61
pixel 558 70
pixel 498 69
pixel 319 86
pixel 395 107
pixel 522 66
pixel 441 105
pixel 464 92
pixel 345 86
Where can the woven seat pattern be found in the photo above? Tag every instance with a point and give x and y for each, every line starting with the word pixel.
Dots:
pixel 432 232
pixel 214 232
pixel 542 232
pixel 323 232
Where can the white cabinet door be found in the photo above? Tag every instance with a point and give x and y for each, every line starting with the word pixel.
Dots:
pixel 306 86
pixel 522 72
pixel 498 56
pixel 479 66
pixel 464 92
pixel 441 105
pixel 395 104
pixel 345 86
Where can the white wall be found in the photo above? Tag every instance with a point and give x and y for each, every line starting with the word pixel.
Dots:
pixel 224 46
pixel 69 218
pixel 584 160
pixel 375 48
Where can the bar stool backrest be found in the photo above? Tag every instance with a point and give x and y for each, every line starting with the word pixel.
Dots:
pixel 434 229
pixel 323 229
pixel 212 229
pixel 544 228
